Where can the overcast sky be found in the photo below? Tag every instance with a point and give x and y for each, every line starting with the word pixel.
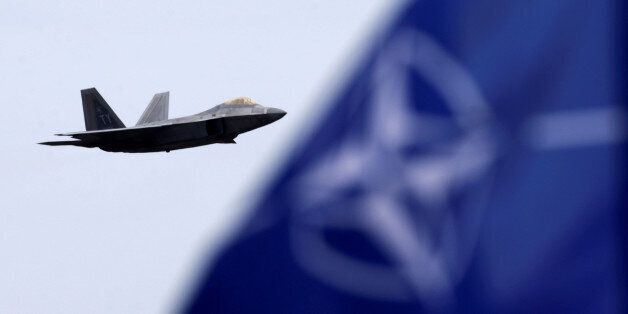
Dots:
pixel 86 231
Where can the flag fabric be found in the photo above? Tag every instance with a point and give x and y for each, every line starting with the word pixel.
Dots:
pixel 473 162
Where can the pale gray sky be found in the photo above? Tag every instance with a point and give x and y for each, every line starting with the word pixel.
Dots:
pixel 85 231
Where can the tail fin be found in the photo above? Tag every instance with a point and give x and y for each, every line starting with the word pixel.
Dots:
pixel 157 109
pixel 98 114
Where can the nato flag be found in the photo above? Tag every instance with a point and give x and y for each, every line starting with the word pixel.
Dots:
pixel 473 162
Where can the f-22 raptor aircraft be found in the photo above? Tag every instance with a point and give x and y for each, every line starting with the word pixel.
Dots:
pixel 154 132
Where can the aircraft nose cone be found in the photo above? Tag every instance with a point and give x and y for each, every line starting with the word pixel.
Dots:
pixel 275 114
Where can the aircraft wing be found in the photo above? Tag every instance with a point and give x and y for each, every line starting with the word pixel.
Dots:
pixel 146 131
pixel 115 134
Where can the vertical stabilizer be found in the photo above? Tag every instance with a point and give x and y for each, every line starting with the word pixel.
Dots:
pixel 98 114
pixel 157 109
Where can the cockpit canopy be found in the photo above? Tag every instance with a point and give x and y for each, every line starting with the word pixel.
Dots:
pixel 236 106
pixel 241 101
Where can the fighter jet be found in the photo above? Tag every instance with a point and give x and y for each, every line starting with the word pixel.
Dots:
pixel 154 132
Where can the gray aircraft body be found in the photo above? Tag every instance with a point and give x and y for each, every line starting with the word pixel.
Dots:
pixel 154 132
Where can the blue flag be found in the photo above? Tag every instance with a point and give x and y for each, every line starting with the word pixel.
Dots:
pixel 474 162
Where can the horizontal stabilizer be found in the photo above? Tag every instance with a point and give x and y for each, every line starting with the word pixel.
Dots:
pixel 157 109
pixel 62 143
